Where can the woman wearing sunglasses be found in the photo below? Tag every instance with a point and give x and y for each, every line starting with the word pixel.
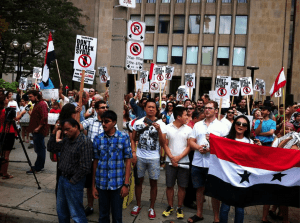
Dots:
pixel 240 131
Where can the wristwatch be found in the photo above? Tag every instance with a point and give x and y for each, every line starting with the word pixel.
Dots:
pixel 126 185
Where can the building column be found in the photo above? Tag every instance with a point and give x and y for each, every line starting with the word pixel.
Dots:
pixel 232 39
pixel 185 39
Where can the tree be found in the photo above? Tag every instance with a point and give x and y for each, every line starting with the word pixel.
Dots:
pixel 31 20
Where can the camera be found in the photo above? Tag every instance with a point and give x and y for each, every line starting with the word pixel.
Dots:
pixel 27 108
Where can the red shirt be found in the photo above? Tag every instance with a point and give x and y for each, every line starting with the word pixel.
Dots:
pixel 39 116
pixel 57 111
pixel 191 124
pixel 8 128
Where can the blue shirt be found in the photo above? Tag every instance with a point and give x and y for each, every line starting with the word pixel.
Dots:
pixel 139 112
pixel 82 111
pixel 111 151
pixel 266 127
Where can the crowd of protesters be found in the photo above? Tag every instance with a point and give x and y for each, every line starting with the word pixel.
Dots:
pixel 91 152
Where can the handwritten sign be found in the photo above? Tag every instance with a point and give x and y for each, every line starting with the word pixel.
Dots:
pixel 52 118
pixel 50 94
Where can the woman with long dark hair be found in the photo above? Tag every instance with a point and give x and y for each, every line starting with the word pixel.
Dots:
pixel 240 131
pixel 169 111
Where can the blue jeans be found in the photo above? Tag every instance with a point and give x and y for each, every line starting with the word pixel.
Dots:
pixel 110 199
pixel 40 150
pixel 239 214
pixel 69 202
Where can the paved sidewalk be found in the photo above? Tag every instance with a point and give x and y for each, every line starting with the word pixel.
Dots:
pixel 21 201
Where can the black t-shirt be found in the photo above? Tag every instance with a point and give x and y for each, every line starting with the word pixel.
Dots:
pixel 244 111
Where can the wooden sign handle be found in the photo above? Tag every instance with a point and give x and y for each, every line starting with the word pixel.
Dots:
pixel 79 103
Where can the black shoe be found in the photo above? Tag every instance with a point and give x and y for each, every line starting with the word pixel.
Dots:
pixel 30 146
pixel 272 214
pixel 88 211
pixel 192 206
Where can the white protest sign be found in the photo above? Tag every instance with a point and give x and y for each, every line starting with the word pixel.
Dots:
pixel 127 3
pixel 158 74
pixel 278 93
pixel 222 88
pixel 85 52
pixel 168 72
pixel 260 86
pixel 154 86
pixel 50 94
pixel 88 77
pixel 52 118
pixel 136 30
pixel 189 80
pixel 23 83
pixel 234 88
pixel 140 86
pixel 246 86
pixel 37 72
pixel 182 93
pixel 211 95
pixel 144 76
pixel 135 55
pixel 225 102
pixel 103 75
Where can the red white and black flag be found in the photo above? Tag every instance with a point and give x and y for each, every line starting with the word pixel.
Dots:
pixel 49 57
pixel 242 174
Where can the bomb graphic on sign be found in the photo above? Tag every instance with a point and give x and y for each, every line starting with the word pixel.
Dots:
pixel 221 86
pixel 189 80
pixel 245 86
pixel 181 93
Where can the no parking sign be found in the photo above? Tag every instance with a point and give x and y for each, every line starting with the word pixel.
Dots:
pixel 136 30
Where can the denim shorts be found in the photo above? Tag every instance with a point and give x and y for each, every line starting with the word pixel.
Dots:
pixel 199 176
pixel 152 165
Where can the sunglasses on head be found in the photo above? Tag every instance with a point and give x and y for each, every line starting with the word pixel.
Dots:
pixel 241 124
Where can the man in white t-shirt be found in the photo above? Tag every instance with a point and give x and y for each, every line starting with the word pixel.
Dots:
pixel 199 141
pixel 176 136
pixel 147 154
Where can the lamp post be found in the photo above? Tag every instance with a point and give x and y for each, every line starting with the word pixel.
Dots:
pixel 14 45
pixel 252 68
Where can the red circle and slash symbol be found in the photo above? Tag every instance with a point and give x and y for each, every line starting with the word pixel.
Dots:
pixel 168 76
pixel 135 49
pixel 160 77
pixel 222 92
pixel 103 78
pixel 246 90
pixel 84 60
pixel 234 91
pixel 136 26
pixel 189 84
pixel 143 80
pixel 154 86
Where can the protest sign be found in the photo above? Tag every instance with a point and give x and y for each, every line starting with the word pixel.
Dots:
pixel 260 86
pixel 85 53
pixel 246 86
pixel 88 77
pixel 222 88
pixel 52 118
pixel 37 72
pixel 155 86
pixel 141 86
pixel 144 76
pixel 50 94
pixel 158 74
pixel 189 80
pixel 168 72
pixel 278 93
pixel 23 83
pixel 103 74
pixel 234 88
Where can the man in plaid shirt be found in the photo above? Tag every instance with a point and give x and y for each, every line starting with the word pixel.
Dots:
pixel 111 168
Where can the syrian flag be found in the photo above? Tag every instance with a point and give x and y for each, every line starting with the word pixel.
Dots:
pixel 279 82
pixel 243 174
pixel 49 57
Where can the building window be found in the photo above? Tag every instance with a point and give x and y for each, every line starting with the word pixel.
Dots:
pixel 194 23
pixel 176 55
pixel 191 55
pixel 226 1
pixel 225 24
pixel 239 56
pixel 223 56
pixel 241 24
pixel 196 1
pixel 180 1
pixel 162 54
pixel 164 24
pixel 207 55
pixel 151 1
pixel 242 1
pixel 135 18
pixel 178 24
pixel 138 1
pixel 209 24
pixel 150 23
pixel 211 1
pixel 165 1
pixel 148 54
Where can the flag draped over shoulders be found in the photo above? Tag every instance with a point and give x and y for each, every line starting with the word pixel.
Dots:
pixel 243 174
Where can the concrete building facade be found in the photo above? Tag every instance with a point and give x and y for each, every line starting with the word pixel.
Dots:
pixel 208 38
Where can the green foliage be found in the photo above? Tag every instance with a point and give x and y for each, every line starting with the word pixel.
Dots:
pixel 9 86
pixel 31 20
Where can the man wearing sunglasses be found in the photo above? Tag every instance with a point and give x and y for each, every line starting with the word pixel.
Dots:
pixel 93 127
pixel 199 141
pixel 228 119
